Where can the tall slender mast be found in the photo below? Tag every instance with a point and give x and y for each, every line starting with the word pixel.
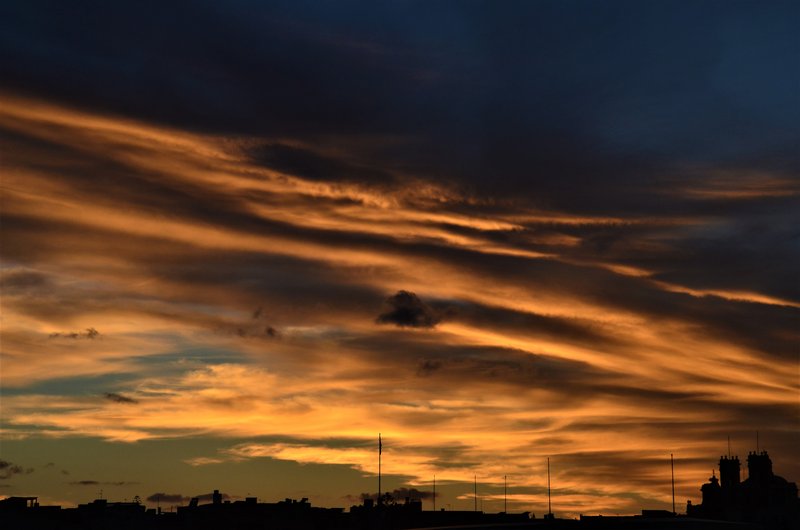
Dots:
pixel 434 493
pixel 672 465
pixel 505 493
pixel 549 507
pixel 475 490
pixel 380 451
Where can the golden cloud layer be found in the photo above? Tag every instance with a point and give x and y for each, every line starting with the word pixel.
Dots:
pixel 171 243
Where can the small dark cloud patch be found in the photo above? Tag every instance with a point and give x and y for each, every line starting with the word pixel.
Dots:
pixel 397 495
pixel 428 366
pixel 98 483
pixel 168 498
pixel 256 327
pixel 21 280
pixel 177 498
pixel 119 398
pixel 8 470
pixel 89 333
pixel 408 310
pixel 412 493
pixel 257 331
pixel 49 464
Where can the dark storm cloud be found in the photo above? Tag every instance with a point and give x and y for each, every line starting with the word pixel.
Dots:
pixel 407 310
pixel 119 398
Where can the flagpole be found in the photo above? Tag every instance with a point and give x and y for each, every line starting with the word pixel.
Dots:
pixel 380 451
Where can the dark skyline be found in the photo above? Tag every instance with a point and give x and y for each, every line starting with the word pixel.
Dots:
pixel 762 501
pixel 240 239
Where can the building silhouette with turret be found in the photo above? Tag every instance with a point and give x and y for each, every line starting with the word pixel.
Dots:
pixel 764 498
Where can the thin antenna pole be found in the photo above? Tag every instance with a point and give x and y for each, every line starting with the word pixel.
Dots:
pixel 475 490
pixel 549 506
pixel 505 493
pixel 380 451
pixel 434 493
pixel 672 465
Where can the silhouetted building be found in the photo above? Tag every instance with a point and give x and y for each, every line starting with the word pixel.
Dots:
pixel 394 515
pixel 26 512
pixel 763 498
pixel 288 514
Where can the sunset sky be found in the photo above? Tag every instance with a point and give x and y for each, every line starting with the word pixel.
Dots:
pixel 240 239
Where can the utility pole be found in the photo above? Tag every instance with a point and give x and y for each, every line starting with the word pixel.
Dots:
pixel 475 492
pixel 549 506
pixel 434 493
pixel 380 451
pixel 505 493
pixel 672 466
